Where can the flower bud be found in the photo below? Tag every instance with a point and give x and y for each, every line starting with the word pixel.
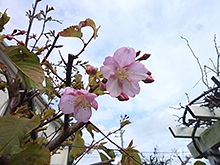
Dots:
pixel 149 73
pixel 123 97
pixel 9 37
pixel 138 53
pixel 144 57
pixel 21 32
pixel 90 70
pixel 149 79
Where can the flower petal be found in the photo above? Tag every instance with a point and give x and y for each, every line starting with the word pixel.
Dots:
pixel 124 56
pixel 82 115
pixel 66 104
pixel 68 90
pixel 109 68
pixel 137 72
pixel 131 89
pixel 114 86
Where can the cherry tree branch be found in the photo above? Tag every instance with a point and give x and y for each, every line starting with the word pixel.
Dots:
pixel 31 22
pixel 197 59
pixel 114 143
pixel 64 135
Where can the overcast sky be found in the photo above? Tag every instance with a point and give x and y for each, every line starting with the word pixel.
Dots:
pixel 150 26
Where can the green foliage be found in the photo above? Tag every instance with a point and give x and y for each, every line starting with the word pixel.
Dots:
pixel 2 37
pixel 72 31
pixel 103 157
pixel 90 128
pixel 126 159
pixel 109 152
pixel 124 123
pixel 91 23
pixel 75 31
pixel 28 65
pixel 13 130
pixel 75 152
pixel 34 154
pixel 3 20
pixel 199 163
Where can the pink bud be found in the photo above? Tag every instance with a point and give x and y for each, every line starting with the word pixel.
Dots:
pixel 21 32
pixel 149 79
pixel 9 37
pixel 138 53
pixel 90 70
pixel 123 97
pixel 144 57
pixel 149 73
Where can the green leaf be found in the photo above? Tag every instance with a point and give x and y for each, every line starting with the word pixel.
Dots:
pixel 72 31
pixel 103 156
pixel 13 130
pixel 3 20
pixel 126 159
pixel 124 123
pixel 2 37
pixel 34 154
pixel 75 152
pixel 107 151
pixel 48 113
pixel 91 128
pixel 199 163
pixel 28 65
pixel 91 23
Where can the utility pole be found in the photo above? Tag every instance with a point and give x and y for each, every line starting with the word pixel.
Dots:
pixel 121 136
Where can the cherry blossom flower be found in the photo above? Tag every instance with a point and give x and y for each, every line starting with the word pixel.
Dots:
pixel 78 102
pixel 123 72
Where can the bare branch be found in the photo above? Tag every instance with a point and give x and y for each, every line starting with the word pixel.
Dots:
pixel 218 55
pixel 203 79
pixel 63 135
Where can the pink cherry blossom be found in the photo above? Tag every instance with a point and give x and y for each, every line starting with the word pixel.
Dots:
pixel 123 72
pixel 78 102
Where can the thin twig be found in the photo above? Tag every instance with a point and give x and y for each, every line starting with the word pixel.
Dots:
pixel 31 22
pixel 115 143
pixel 197 59
pixel 42 31
pixel 218 55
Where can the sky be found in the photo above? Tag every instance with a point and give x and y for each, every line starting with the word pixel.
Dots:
pixel 153 27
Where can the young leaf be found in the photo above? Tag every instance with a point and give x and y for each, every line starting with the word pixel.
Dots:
pixel 3 20
pixel 13 130
pixel 103 156
pixel 48 113
pixel 91 23
pixel 72 31
pixel 34 154
pixel 75 152
pixel 28 65
pixel 2 37
pixel 107 151
pixel 126 159
pixel 124 123
pixel 90 128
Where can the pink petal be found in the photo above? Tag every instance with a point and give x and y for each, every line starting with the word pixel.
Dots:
pixel 66 105
pixel 94 104
pixel 131 89
pixel 68 90
pixel 109 68
pixel 124 56
pixel 83 115
pixel 114 86
pixel 137 72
